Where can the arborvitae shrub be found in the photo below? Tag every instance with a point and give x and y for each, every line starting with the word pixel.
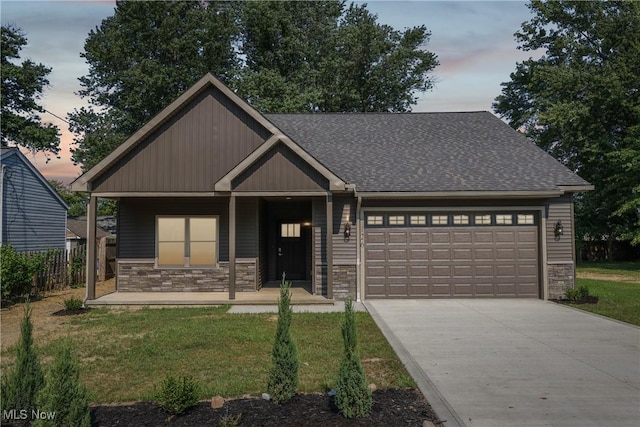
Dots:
pixel 283 376
pixel 63 393
pixel 20 385
pixel 353 396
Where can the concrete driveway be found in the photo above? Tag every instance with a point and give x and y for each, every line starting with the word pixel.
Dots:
pixel 493 363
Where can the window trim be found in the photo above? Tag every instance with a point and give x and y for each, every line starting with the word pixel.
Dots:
pixel 187 259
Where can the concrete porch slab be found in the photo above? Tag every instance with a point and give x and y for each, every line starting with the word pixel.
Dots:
pixel 265 296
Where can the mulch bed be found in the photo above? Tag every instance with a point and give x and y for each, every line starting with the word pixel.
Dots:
pixel 392 407
pixel 589 299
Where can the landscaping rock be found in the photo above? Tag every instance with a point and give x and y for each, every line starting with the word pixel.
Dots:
pixel 266 396
pixel 427 423
pixel 372 387
pixel 217 402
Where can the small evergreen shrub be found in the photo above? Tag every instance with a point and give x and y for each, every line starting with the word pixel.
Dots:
pixel 176 396
pixel 73 304
pixel 283 376
pixel 63 393
pixel 21 384
pixel 353 396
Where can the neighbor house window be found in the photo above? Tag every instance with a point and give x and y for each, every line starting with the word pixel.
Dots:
pixel 396 219
pixel 187 241
pixel 418 220
pixel 525 219
pixel 504 219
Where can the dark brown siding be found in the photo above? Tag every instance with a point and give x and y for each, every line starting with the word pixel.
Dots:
pixel 379 203
pixel 190 152
pixel 247 227
pixel 319 220
pixel 137 222
pixel 280 169
pixel 562 248
pixel 344 250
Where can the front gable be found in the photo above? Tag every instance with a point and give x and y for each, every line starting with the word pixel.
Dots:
pixel 280 169
pixel 190 151
pixel 198 144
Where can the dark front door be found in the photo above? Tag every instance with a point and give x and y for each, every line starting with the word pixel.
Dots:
pixel 291 255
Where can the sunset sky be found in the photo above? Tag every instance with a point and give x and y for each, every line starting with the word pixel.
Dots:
pixel 473 40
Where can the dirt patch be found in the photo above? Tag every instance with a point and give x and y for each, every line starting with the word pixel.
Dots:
pixel 46 327
pixel 605 276
pixel 392 407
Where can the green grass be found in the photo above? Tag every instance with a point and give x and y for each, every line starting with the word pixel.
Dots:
pixel 126 354
pixel 617 300
pixel 626 269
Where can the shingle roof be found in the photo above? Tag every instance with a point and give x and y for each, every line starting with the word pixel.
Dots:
pixel 78 227
pixel 426 152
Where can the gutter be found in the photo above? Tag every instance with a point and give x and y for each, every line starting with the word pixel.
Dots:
pixel 461 194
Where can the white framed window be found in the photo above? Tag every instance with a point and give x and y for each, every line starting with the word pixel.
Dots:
pixel 502 219
pixel 482 219
pixel 525 219
pixel 187 241
pixel 461 219
pixel 396 219
pixel 439 219
pixel 374 220
pixel 418 220
pixel 290 230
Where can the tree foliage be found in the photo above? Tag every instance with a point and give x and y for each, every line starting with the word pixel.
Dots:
pixel 279 56
pixel 581 103
pixel 22 87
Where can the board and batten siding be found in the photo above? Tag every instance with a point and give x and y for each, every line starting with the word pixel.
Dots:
pixel 280 169
pixel 33 218
pixel 191 151
pixel 560 250
pixel 137 226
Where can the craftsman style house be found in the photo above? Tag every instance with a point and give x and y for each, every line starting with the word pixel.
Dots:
pixel 214 196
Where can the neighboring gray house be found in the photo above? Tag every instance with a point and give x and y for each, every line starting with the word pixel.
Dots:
pixel 33 215
pixel 214 196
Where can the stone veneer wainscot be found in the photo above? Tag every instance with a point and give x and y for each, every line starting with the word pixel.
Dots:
pixel 141 275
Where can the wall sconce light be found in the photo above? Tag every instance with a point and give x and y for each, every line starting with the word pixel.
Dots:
pixel 558 230
pixel 347 230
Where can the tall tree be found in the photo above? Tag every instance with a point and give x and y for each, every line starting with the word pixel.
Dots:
pixel 321 56
pixel 581 103
pixel 280 56
pixel 22 87
pixel 142 58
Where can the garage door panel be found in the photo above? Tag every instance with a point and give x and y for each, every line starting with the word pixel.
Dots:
pixel 440 237
pixel 375 237
pixel 397 237
pixel 441 253
pixel 458 261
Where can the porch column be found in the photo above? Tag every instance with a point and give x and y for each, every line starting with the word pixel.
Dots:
pixel 91 249
pixel 232 247
pixel 329 246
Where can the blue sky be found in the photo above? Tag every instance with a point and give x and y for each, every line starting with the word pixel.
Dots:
pixel 473 40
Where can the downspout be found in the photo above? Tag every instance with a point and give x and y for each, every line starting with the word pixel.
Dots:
pixel 358 249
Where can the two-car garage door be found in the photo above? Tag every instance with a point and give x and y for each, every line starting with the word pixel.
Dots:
pixel 451 255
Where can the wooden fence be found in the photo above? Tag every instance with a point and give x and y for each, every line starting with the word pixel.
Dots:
pixel 60 269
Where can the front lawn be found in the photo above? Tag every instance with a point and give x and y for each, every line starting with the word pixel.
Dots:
pixel 126 354
pixel 617 286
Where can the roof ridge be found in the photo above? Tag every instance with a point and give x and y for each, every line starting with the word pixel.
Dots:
pixel 359 113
